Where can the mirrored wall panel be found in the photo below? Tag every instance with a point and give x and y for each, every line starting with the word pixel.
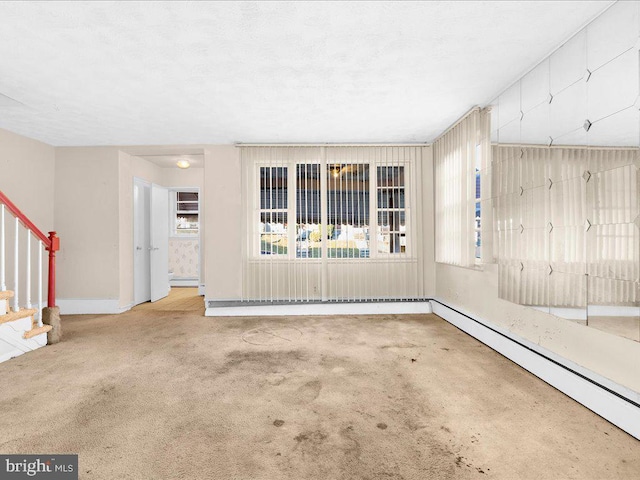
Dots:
pixel 565 179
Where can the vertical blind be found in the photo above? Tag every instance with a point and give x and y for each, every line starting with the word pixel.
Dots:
pixel 564 225
pixel 332 223
pixel 457 154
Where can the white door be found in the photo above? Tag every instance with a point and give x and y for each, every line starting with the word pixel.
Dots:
pixel 141 242
pixel 159 242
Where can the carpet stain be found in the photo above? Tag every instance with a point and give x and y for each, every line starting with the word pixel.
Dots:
pixel 264 361
pixel 308 392
pixel 315 437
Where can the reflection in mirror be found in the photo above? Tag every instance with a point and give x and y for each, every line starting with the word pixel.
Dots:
pixel 565 179
pixel 613 239
pixel 613 201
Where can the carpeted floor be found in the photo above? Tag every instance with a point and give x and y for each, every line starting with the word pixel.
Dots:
pixel 169 395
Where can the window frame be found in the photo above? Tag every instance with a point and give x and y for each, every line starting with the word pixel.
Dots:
pixel 406 209
pixel 174 212
pixel 255 251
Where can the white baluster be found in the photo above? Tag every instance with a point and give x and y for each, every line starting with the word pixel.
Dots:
pixel 40 283
pixel 15 269
pixel 28 283
pixel 3 283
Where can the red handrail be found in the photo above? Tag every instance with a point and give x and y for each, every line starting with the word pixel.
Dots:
pixel 23 218
pixel 51 243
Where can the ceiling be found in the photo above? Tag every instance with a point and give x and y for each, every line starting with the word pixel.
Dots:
pixel 169 161
pixel 157 73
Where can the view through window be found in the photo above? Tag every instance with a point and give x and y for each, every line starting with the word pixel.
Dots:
pixel 348 230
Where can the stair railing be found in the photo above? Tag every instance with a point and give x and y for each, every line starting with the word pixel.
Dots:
pixel 49 243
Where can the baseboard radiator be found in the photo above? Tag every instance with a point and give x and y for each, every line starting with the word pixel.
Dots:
pixel 613 402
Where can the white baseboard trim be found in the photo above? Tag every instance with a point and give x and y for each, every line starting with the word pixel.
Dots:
pixel 183 282
pixel 615 403
pixel 612 311
pixel 589 311
pixel 332 308
pixel 84 306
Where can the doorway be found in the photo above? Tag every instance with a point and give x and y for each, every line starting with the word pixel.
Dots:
pixel 180 299
pixel 150 242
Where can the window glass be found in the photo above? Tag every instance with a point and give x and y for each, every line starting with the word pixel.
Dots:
pixel 308 221
pixel 348 210
pixel 392 226
pixel 273 211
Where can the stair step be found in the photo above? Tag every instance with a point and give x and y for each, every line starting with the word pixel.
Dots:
pixel 37 331
pixel 6 294
pixel 11 316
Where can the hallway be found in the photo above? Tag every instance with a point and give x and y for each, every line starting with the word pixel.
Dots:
pixel 183 299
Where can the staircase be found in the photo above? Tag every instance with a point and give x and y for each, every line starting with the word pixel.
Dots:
pixel 19 331
pixel 21 328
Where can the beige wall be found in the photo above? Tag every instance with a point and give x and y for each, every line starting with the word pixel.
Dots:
pixel 87 220
pixel 177 177
pixel 94 213
pixel 27 178
pixel 476 292
pixel 222 185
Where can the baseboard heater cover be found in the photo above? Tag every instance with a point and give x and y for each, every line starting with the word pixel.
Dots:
pixel 611 401
pixel 252 309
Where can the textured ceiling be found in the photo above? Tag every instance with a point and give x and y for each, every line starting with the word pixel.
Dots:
pixel 169 161
pixel 149 73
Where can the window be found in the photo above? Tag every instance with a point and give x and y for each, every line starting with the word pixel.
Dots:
pixel 392 227
pixel 349 231
pixel 459 156
pixel 308 221
pixel 187 213
pixel 348 210
pixel 273 211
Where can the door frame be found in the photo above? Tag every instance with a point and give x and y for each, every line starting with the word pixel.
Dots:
pixel 197 190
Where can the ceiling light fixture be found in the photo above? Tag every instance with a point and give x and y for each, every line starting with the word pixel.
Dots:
pixel 183 163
